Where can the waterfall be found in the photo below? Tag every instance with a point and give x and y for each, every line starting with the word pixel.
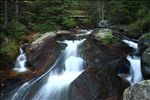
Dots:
pixel 54 84
pixel 20 62
pixel 135 64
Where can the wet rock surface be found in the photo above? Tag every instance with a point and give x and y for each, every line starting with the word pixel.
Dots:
pixel 144 50
pixel 97 84
pixel 139 91
pixel 145 62
pixel 96 54
pixel 100 80
pixel 144 43
pixel 43 53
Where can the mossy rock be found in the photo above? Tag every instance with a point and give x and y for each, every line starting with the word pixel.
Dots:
pixel 144 43
pixel 146 63
pixel 104 36
pixel 139 91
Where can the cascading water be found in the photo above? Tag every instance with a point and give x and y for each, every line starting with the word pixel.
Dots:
pixel 135 64
pixel 20 62
pixel 67 67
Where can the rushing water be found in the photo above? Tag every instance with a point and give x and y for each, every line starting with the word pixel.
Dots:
pixel 20 62
pixel 135 64
pixel 54 84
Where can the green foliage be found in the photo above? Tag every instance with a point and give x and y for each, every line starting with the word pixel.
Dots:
pixel 147 35
pixel 9 48
pixel 16 29
pixel 44 27
pixel 8 51
pixel 86 22
pixel 140 26
pixel 68 22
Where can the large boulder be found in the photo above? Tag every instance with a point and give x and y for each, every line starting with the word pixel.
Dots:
pixel 43 51
pixel 100 81
pixel 97 84
pixel 144 42
pixel 96 54
pixel 139 91
pixel 103 24
pixel 145 62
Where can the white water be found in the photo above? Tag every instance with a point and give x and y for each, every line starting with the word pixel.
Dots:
pixel 135 64
pixel 57 83
pixel 84 32
pixel 131 44
pixel 20 62
pixel 87 32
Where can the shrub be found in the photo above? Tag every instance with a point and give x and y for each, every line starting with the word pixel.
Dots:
pixel 68 22
pixel 140 26
pixel 147 35
pixel 15 29
pixel 45 27
pixel 8 51
pixel 40 27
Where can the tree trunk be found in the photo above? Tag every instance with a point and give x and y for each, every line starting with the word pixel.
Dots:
pixel 102 10
pixel 6 15
pixel 16 11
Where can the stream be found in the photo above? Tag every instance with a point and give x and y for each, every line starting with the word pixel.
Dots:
pixel 20 62
pixel 54 84
pixel 135 64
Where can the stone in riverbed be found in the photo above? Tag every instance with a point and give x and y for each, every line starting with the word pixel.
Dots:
pixel 43 52
pixel 145 62
pixel 97 84
pixel 139 91
pixel 144 43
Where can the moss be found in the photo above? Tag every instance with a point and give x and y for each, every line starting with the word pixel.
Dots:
pixel 105 36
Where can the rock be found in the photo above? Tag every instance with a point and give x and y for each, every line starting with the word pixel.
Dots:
pixel 43 51
pixel 64 32
pixel 100 80
pixel 114 98
pixel 97 84
pixel 44 36
pixel 144 42
pixel 120 28
pixel 145 62
pixel 103 24
pixel 96 54
pixel 139 91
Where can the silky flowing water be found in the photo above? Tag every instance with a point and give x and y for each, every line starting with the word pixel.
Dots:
pixel 20 62
pixel 54 84
pixel 135 64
